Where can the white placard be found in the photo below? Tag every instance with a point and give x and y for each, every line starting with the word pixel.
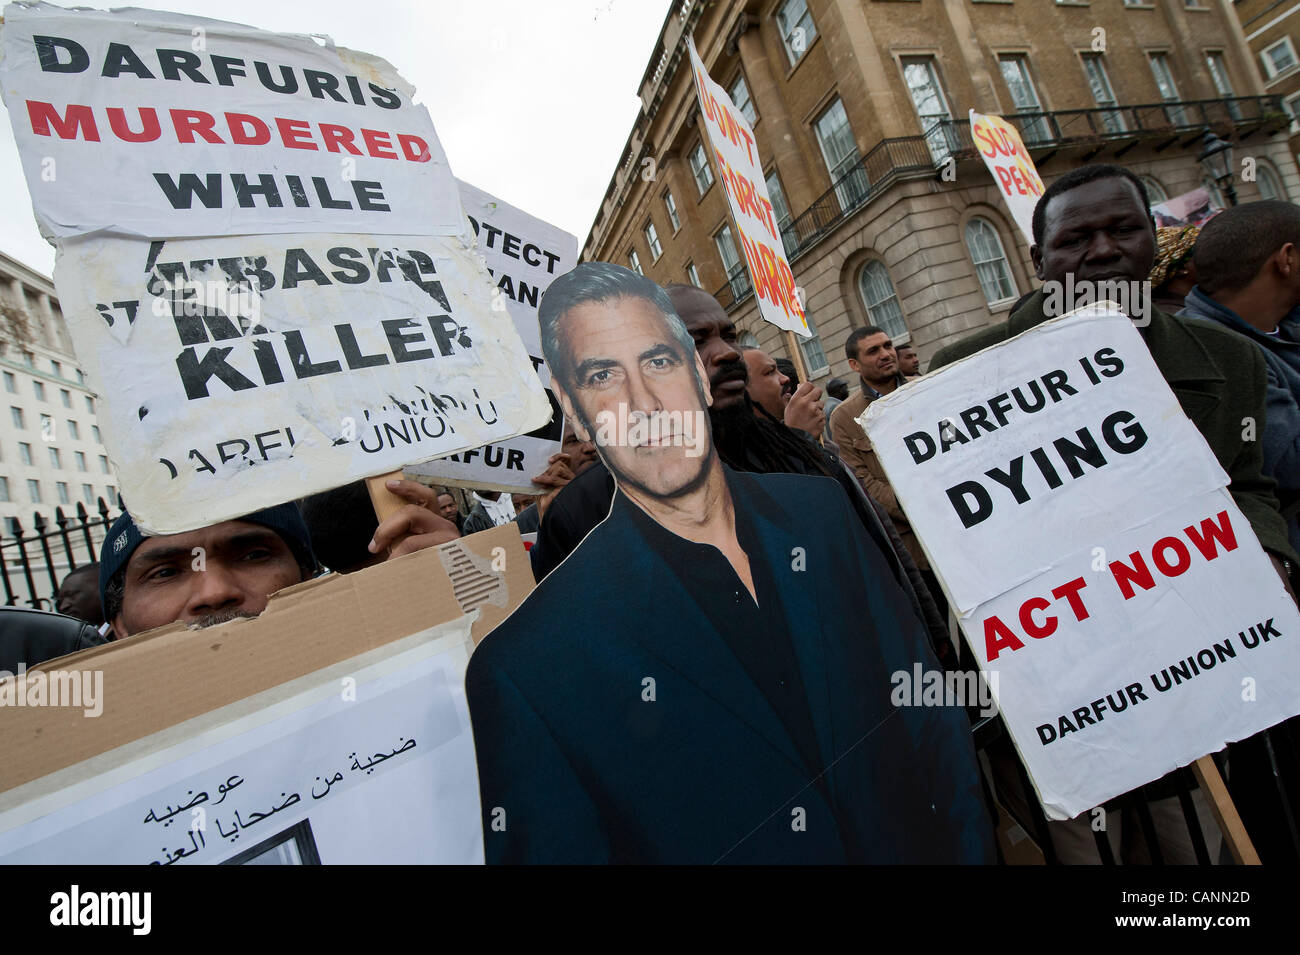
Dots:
pixel 524 255
pixel 1104 578
pixel 139 122
pixel 303 774
pixel 740 171
pixel 239 372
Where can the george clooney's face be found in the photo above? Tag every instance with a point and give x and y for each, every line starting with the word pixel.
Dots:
pixel 638 394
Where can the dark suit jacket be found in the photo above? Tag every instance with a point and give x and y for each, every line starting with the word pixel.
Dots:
pixel 585 769
pixel 1219 379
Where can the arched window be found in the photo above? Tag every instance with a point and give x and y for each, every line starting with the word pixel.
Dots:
pixel 1270 186
pixel 1155 192
pixel 748 339
pixel 991 266
pixel 878 295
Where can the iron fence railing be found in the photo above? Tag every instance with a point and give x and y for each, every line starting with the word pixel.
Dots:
pixel 34 562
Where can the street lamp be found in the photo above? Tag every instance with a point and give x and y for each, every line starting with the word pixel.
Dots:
pixel 1216 159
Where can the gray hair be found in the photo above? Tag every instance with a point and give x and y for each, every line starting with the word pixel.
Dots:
pixel 598 282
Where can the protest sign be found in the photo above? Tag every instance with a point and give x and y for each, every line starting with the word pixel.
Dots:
pixel 1096 562
pixel 524 255
pixel 1191 208
pixel 736 152
pixel 211 128
pixel 1011 165
pixel 348 741
pixel 241 370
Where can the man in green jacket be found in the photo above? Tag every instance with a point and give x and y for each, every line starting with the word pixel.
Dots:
pixel 1094 225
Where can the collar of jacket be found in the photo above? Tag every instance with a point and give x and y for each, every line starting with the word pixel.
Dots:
pixel 1201 305
pixel 871 394
pixel 1178 353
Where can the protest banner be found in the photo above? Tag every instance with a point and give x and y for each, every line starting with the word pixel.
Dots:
pixel 1097 564
pixel 1011 166
pixel 735 151
pixel 523 255
pixel 348 742
pixel 1196 207
pixel 211 128
pixel 241 370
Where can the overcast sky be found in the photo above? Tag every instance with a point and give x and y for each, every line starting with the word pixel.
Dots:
pixel 533 101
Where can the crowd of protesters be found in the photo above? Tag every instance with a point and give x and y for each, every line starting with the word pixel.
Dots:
pixel 1226 326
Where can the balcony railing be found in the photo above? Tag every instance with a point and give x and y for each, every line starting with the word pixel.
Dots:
pixel 913 156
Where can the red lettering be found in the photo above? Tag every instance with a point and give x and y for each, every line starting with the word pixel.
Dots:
pixel 1019 181
pixel 998 637
pixel 1184 558
pixel 414 148
pixel 1004 177
pixel 148 119
pixel 1070 591
pixel 1127 576
pixel 378 144
pixel 1036 631
pixel 260 135
pixel 983 134
pixel 1212 534
pixel 293 131
pixel 338 139
pixel 190 121
pixel 81 119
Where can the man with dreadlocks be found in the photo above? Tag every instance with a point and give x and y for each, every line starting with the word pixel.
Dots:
pixel 745 441
pixel 707 678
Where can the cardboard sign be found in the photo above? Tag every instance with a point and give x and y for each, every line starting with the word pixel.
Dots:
pixel 332 728
pixel 741 173
pixel 1126 616
pixel 1011 165
pixel 210 128
pixel 239 371
pixel 524 255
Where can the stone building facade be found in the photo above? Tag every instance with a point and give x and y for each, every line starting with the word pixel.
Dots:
pixel 859 110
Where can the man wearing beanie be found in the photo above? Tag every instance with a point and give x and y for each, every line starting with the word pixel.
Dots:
pixel 202 577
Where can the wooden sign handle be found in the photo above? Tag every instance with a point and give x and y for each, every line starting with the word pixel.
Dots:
pixel 384 501
pixel 1225 813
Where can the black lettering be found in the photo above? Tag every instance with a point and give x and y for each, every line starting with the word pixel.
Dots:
pixel 120 59
pixel 298 266
pixel 47 52
pixel 970 515
pixel 1057 383
pixel 354 270
pixel 321 84
pixel 175 62
pixel 370 196
pixel 352 351
pixel 1072 453
pixel 266 188
pixel 181 194
pixel 400 332
pixel 195 372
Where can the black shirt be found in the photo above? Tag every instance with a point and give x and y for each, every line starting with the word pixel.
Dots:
pixel 758 634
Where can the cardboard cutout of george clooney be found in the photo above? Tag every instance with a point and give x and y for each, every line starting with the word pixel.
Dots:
pixel 707 677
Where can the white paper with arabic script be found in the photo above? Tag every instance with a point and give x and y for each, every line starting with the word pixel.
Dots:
pixel 369 761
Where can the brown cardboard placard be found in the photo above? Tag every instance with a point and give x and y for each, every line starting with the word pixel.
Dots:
pixel 158 679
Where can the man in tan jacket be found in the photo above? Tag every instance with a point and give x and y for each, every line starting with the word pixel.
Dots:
pixel 871 354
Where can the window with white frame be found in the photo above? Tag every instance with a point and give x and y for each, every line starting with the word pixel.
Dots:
pixel 797 28
pixel 634 261
pixel 700 169
pixel 81 460
pixel 1268 183
pixel 671 205
pixel 1292 107
pixel 1102 92
pixel 38 390
pixel 922 80
pixel 737 276
pixel 991 267
pixel 4 489
pixel 878 295
pixel 34 490
pixel 56 460
pixel 1163 74
pixel 16 415
pixel 88 494
pixel 840 152
pixel 62 488
pixel 814 356
pixel 1218 69
pixel 1278 57
pixel 652 240
pixel 1024 95
pixel 25 452
pixel 780 210
pixel 74 429
pixel 693 274
pixel 739 93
